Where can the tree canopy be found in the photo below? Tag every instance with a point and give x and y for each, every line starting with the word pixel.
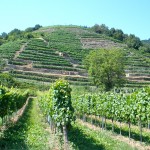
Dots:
pixel 131 40
pixel 106 67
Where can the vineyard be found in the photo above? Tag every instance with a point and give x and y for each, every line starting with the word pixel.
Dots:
pixel 55 105
pixel 115 111
pixel 124 108
pixel 59 52
pixel 120 112
pixel 38 61
pixel 10 102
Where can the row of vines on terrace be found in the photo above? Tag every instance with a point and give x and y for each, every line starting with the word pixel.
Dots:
pixel 128 108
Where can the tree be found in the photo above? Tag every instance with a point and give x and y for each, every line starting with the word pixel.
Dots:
pixel 30 29
pixel 101 29
pixel 112 31
pixel 145 48
pixel 15 32
pixel 37 26
pixel 4 35
pixel 7 80
pixel 106 67
pixel 119 35
pixel 133 41
pixel 1 41
pixel 28 35
pixel 104 29
pixel 96 28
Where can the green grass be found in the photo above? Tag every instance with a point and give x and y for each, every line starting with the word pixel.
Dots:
pixel 28 133
pixel 135 132
pixel 83 138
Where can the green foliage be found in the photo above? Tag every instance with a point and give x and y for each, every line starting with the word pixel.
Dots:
pixel 17 34
pixel 118 35
pixel 121 107
pixel 58 104
pixel 8 49
pixel 67 42
pixel 2 63
pixel 4 35
pixel 60 93
pixel 145 48
pixel 7 80
pixel 29 132
pixel 102 29
pixel 128 108
pixel 133 42
pixel 30 29
pixel 43 57
pixel 106 67
pixel 11 100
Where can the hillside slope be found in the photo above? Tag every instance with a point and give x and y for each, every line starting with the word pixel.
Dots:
pixel 58 52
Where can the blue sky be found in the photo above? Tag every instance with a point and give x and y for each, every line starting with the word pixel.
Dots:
pixel 132 16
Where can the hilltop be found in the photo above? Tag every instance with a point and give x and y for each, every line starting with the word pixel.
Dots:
pixel 48 53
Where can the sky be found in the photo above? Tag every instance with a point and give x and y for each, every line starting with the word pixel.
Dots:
pixel 131 16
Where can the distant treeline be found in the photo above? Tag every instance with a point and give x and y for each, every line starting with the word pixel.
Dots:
pixel 131 40
pixel 18 34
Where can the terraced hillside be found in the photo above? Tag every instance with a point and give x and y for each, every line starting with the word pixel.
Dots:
pixel 36 61
pixel 137 69
pixel 58 52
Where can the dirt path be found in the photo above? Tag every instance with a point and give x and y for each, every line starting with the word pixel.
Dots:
pixel 43 40
pixel 21 50
pixel 16 117
pixel 29 132
pixel 132 142
pixel 52 74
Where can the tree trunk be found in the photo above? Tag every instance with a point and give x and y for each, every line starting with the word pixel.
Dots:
pixel 140 131
pixel 120 128
pixel 48 119
pixel 84 120
pixel 148 124
pixel 99 121
pixel 105 123
pixel 91 120
pixel 112 125
pixel 65 138
pixel 129 130
pixel 50 122
pixel 102 122
pixel 2 121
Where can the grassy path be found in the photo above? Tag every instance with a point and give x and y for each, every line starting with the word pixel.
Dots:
pixel 28 133
pixel 135 131
pixel 83 137
pixel 19 51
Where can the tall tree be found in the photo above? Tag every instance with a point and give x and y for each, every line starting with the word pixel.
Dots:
pixel 119 35
pixel 4 35
pixel 133 41
pixel 106 67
